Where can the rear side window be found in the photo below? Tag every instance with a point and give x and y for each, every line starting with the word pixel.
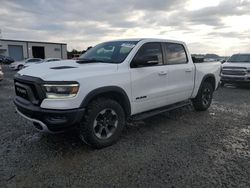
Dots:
pixel 151 49
pixel 175 53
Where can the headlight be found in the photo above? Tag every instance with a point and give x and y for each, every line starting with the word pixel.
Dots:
pixel 61 91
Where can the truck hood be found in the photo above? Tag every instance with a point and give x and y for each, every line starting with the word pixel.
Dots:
pixel 238 64
pixel 67 70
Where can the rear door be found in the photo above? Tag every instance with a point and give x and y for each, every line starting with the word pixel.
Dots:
pixel 180 77
pixel 149 82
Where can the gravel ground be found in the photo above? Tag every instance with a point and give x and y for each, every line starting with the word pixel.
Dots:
pixel 182 148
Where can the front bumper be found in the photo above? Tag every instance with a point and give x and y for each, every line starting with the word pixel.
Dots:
pixel 48 120
pixel 235 79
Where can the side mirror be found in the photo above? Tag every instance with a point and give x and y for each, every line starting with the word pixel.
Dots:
pixel 145 61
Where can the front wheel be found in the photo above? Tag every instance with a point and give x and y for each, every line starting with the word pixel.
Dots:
pixel 204 98
pixel 20 67
pixel 103 123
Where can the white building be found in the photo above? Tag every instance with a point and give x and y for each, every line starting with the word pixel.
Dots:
pixel 20 50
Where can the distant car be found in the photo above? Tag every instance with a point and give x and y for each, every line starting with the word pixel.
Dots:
pixel 51 59
pixel 236 69
pixel 6 59
pixel 43 61
pixel 1 58
pixel 1 73
pixel 209 60
pixel 76 56
pixel 18 65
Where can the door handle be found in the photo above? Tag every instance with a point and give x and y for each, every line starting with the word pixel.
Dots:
pixel 188 70
pixel 161 73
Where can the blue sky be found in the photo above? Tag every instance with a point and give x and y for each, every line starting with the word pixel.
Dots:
pixel 214 26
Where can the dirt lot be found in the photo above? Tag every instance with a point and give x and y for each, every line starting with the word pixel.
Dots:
pixel 182 148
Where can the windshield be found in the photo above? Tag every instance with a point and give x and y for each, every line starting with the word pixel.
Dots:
pixel 33 61
pixel 239 58
pixel 109 52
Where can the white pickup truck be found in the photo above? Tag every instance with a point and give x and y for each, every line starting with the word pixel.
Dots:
pixel 111 83
pixel 236 69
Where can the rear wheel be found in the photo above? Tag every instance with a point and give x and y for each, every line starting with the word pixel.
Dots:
pixel 204 98
pixel 103 123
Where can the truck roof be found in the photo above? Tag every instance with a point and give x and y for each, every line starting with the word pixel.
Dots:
pixel 148 39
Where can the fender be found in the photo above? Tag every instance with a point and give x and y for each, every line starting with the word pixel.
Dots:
pixel 109 89
pixel 208 76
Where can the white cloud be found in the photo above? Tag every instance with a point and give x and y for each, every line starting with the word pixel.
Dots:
pixel 208 26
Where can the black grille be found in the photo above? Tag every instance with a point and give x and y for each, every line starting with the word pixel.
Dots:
pixel 21 92
pixel 235 68
pixel 29 88
pixel 233 78
pixel 234 72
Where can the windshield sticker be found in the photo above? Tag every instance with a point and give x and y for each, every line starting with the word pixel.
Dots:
pixel 128 45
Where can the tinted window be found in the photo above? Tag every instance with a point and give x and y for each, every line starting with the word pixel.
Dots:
pixel 33 60
pixel 49 60
pixel 175 53
pixel 152 49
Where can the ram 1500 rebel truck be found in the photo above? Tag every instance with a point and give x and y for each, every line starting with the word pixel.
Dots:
pixel 111 83
pixel 236 69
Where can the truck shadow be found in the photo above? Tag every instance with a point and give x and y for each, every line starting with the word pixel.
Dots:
pixel 70 139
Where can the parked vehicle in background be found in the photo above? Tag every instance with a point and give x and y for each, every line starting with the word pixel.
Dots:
pixel 76 56
pixel 1 73
pixel 18 65
pixel 236 69
pixel 209 60
pixel 51 59
pixel 112 82
pixel 43 61
pixel 1 58
pixel 6 59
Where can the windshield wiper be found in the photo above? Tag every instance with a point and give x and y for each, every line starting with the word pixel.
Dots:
pixel 93 61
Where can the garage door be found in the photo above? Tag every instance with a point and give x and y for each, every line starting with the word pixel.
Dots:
pixel 16 52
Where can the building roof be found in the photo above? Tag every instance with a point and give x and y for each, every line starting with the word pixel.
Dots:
pixel 31 41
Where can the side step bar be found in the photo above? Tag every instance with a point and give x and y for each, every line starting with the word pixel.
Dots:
pixel 150 113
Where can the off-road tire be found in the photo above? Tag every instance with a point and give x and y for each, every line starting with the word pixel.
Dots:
pixel 87 131
pixel 203 101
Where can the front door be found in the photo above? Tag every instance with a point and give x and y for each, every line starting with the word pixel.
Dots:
pixel 149 82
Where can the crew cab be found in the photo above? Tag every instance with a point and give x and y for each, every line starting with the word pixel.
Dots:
pixel 236 69
pixel 113 82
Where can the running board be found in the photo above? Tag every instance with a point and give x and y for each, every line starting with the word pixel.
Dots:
pixel 150 113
